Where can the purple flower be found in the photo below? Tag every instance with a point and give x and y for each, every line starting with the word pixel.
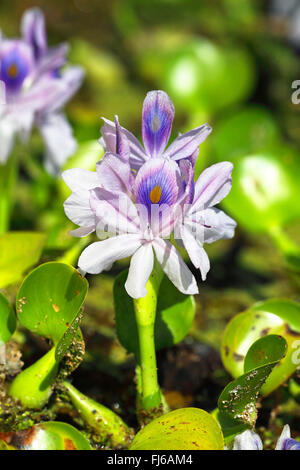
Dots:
pixel 36 91
pixel 249 440
pixel 137 211
pixel 157 118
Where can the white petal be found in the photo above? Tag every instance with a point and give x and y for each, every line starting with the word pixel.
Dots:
pixel 77 208
pixel 78 178
pixel 211 225
pixel 100 255
pixel 286 434
pixel 7 133
pixel 195 251
pixel 82 231
pixel 212 186
pixel 58 136
pixel 141 267
pixel 248 440
pixel 174 267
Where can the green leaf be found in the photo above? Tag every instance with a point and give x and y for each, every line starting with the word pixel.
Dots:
pixel 275 316
pixel 184 429
pixel 238 399
pixel 175 314
pixel 255 131
pixel 50 298
pixel 50 436
pixel 259 203
pixel 19 251
pixel 7 320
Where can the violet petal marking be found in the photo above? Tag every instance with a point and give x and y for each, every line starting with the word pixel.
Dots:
pixel 115 173
pixel 16 63
pixel 122 143
pixel 157 182
pixel 157 119
pixel 285 442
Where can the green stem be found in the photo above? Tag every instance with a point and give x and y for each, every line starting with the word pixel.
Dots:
pixel 106 424
pixel 8 176
pixel 149 394
pixel 289 249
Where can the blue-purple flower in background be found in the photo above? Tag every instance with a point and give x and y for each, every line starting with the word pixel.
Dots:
pixel 249 440
pixel 36 89
pixel 137 202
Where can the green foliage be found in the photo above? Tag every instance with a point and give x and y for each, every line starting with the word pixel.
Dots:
pixel 19 251
pixel 276 316
pixel 52 436
pixel 175 314
pixel 264 191
pixel 238 399
pixel 50 298
pixel 184 429
pixel 245 132
pixel 7 320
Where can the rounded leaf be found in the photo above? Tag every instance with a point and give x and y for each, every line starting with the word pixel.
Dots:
pixel 275 316
pixel 7 320
pixel 184 429
pixel 50 298
pixel 19 251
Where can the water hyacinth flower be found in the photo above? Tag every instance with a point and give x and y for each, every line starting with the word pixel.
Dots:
pixel 36 90
pixel 249 440
pixel 157 119
pixel 139 209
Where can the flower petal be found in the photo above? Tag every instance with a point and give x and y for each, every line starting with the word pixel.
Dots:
pixel 115 212
pixel 77 209
pixel 212 186
pixel 141 267
pixel 211 225
pixel 247 440
pixel 138 155
pixel 157 119
pixel 174 267
pixel 7 134
pixel 122 143
pixel 82 231
pixel 115 173
pixel 60 142
pixel 186 144
pixel 195 251
pixel 100 255
pixel 79 178
pixel 33 31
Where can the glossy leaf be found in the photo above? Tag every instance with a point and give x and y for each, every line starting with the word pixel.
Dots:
pixel 19 251
pixel 238 399
pixel 183 429
pixel 175 314
pixel 7 320
pixel 253 129
pixel 50 436
pixel 259 202
pixel 50 298
pixel 276 316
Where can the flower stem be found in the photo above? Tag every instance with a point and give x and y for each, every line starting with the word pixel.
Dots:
pixel 149 394
pixel 289 249
pixel 8 175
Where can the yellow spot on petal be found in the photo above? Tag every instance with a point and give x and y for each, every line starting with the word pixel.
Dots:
pixel 12 71
pixel 155 194
pixel 56 308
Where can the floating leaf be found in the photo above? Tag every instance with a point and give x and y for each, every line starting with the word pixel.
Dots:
pixel 19 251
pixel 259 203
pixel 50 298
pixel 175 314
pixel 49 436
pixel 275 316
pixel 238 399
pixel 255 131
pixel 7 320
pixel 183 429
